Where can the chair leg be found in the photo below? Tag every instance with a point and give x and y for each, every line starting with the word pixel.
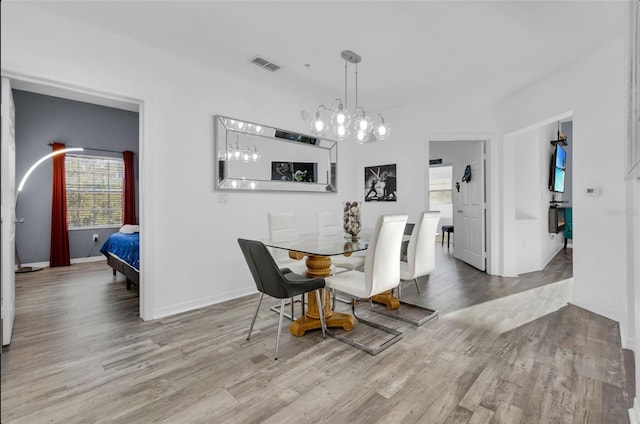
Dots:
pixel 279 327
pixel 396 335
pixel 276 308
pixel 293 318
pixel 253 321
pixel 429 313
pixel 321 306
pixel 415 280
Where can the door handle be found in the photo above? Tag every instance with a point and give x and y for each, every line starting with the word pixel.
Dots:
pixel 459 211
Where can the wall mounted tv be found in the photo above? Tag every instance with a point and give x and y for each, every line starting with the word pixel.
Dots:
pixel 558 169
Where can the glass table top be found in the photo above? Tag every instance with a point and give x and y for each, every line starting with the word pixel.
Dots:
pixel 322 244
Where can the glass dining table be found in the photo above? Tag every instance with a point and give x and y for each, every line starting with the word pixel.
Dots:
pixel 318 250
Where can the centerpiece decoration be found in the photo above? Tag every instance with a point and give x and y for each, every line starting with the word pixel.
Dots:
pixel 352 224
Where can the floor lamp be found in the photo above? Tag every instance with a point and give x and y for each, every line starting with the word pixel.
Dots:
pixel 19 267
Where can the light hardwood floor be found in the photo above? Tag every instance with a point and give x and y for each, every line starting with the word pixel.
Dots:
pixel 503 350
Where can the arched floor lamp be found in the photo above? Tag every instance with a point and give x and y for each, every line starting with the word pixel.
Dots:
pixel 19 267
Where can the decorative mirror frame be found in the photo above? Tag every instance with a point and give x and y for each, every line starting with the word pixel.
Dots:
pixel 232 135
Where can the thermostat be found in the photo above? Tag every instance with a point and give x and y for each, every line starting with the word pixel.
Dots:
pixel 592 191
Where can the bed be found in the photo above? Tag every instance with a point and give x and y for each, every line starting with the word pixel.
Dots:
pixel 122 250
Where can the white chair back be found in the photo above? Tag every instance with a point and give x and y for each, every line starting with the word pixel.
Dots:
pixel 282 227
pixel 421 254
pixel 328 223
pixel 381 265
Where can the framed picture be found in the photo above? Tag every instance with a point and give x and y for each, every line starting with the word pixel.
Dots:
pixel 305 172
pixel 281 171
pixel 380 183
pixel 302 172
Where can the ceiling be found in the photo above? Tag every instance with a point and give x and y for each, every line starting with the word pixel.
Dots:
pixel 412 51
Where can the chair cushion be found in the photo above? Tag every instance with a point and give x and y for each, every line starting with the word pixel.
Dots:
pixel 351 262
pixel 351 282
pixel 298 267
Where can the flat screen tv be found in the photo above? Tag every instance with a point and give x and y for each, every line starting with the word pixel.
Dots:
pixel 558 169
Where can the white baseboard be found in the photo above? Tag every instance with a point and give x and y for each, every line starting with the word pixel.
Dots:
pixel 201 303
pixel 634 413
pixel 73 261
pixel 89 259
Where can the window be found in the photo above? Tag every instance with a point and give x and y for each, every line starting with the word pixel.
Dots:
pixel 440 183
pixel 94 191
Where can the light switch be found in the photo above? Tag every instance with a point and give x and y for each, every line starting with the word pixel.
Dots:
pixel 592 191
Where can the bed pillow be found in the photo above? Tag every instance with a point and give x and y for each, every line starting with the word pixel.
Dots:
pixel 130 229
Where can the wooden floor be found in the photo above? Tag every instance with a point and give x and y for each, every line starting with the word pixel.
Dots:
pixel 503 350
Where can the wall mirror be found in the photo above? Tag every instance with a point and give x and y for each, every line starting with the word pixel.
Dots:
pixel 252 156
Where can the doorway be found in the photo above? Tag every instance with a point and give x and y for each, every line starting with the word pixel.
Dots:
pixel 468 197
pixel 60 91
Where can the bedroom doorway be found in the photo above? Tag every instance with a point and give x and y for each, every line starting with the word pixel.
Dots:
pixel 91 97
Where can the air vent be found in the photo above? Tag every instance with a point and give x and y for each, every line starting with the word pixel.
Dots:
pixel 263 63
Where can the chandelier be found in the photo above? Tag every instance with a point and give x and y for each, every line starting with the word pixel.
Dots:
pixel 243 153
pixel 338 122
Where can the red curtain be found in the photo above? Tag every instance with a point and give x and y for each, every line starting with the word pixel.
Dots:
pixel 59 249
pixel 128 190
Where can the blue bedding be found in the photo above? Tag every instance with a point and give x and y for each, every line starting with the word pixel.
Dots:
pixel 125 247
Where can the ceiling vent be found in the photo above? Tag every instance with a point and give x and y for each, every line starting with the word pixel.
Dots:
pixel 263 63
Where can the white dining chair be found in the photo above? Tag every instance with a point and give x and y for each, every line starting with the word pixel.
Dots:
pixel 421 253
pixel 421 261
pixel 381 273
pixel 283 227
pixel 328 225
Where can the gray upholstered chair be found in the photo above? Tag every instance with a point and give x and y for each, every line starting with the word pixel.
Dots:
pixel 381 273
pixel 276 282
pixel 328 225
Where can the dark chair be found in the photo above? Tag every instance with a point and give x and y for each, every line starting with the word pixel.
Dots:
pixel 279 283
pixel 446 229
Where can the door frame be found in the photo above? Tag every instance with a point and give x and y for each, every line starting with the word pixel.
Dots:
pixel 491 178
pixel 8 227
pixel 21 81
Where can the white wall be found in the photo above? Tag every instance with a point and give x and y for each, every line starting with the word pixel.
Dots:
pixel 594 89
pixel 413 127
pixel 180 98
pixel 529 153
pixel 189 252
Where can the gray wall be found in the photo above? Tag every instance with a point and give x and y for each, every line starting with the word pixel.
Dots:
pixel 44 119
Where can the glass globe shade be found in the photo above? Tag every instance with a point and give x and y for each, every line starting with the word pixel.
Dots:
pixel 341 131
pixel 382 131
pixel 363 123
pixel 361 137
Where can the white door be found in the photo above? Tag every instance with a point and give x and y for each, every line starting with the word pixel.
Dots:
pixel 469 207
pixel 8 227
